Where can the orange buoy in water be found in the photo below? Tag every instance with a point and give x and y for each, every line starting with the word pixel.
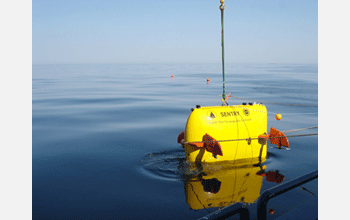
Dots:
pixel 278 117
pixel 208 80
pixel 271 211
pixel 172 76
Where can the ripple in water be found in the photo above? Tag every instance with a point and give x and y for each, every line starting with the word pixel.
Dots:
pixel 173 166
pixel 168 165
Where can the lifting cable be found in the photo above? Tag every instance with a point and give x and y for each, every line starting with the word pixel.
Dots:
pixel 222 7
pixel 224 97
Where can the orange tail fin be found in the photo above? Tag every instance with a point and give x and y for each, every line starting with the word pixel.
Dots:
pixel 211 145
pixel 181 138
pixel 278 138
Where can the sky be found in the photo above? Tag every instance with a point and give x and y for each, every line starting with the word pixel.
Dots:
pixel 174 31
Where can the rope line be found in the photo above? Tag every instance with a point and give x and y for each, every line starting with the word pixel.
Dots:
pixel 300 129
pixel 274 103
pixel 298 113
pixel 246 139
pixel 273 113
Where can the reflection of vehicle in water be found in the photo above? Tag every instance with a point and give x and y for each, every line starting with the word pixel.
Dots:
pixel 223 185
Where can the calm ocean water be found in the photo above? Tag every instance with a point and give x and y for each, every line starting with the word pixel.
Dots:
pixel 105 136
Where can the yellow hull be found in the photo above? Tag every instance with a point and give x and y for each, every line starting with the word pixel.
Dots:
pixel 225 123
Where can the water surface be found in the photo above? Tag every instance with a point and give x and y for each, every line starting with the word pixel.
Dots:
pixel 104 137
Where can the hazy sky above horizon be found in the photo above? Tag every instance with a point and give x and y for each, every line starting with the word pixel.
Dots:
pixel 159 31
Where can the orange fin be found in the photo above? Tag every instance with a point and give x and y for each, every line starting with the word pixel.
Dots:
pixel 211 145
pixel 181 138
pixel 278 138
